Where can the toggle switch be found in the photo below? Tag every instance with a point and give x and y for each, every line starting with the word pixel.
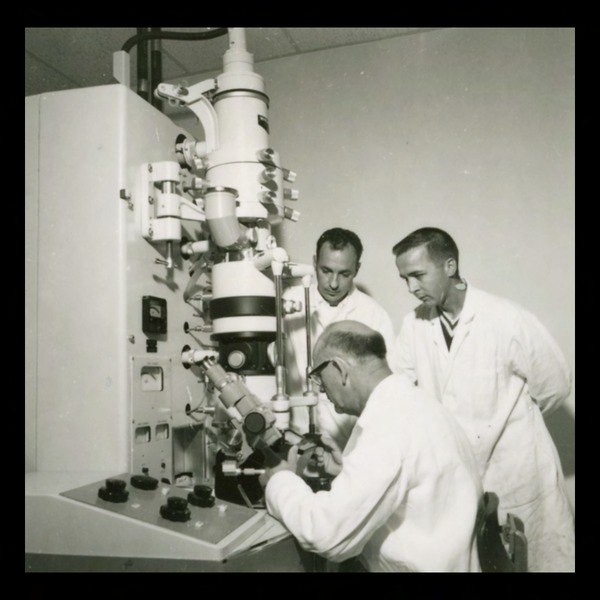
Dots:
pixel 291 214
pixel 290 194
pixel 289 176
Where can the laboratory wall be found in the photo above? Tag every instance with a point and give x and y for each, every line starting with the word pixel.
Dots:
pixel 468 129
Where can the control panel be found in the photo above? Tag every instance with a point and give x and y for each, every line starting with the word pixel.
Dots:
pixel 192 511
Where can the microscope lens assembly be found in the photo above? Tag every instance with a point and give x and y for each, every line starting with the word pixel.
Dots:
pixel 155 351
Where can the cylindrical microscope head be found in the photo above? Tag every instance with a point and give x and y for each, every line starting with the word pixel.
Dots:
pixel 242 312
pixel 244 159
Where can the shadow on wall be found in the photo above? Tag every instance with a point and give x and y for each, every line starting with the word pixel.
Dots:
pixel 561 426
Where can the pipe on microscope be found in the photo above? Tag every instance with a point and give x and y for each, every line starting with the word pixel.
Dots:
pixel 265 259
pixel 188 249
pixel 280 403
pixel 306 281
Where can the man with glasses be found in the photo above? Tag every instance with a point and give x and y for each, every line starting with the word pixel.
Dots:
pixel 407 493
pixel 333 297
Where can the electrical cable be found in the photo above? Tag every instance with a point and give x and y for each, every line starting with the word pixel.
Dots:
pixel 173 35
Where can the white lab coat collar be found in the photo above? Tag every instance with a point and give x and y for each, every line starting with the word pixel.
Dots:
pixel 377 392
pixel 462 331
pixel 468 311
pixel 317 300
pixel 464 322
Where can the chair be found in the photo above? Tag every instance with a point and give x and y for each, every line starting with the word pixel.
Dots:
pixel 501 548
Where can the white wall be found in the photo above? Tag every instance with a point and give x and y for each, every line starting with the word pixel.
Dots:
pixel 470 130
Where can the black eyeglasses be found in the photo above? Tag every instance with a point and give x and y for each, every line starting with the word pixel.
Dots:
pixel 315 374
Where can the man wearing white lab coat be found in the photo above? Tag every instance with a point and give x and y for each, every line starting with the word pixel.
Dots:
pixel 407 493
pixel 333 297
pixel 499 372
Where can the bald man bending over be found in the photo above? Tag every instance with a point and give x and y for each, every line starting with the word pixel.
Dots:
pixel 407 492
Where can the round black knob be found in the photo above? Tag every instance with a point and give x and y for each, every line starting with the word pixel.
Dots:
pixel 176 509
pixel 114 491
pixel 144 482
pixel 201 496
pixel 204 491
pixel 116 485
pixel 176 503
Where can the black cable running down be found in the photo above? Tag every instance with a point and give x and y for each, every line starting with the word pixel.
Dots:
pixel 173 35
pixel 142 67
pixel 155 67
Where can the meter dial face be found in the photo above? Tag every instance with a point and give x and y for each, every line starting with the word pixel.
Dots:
pixel 151 379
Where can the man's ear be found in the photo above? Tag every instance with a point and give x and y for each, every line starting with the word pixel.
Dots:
pixel 450 267
pixel 343 367
pixel 315 263
pixel 357 268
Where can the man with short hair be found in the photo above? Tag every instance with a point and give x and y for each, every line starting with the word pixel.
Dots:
pixel 407 493
pixel 333 297
pixel 499 372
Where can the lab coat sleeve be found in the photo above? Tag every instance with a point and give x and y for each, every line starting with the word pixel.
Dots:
pixel 537 358
pixel 338 523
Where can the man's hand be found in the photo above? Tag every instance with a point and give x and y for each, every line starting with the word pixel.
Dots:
pixel 284 465
pixel 328 458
